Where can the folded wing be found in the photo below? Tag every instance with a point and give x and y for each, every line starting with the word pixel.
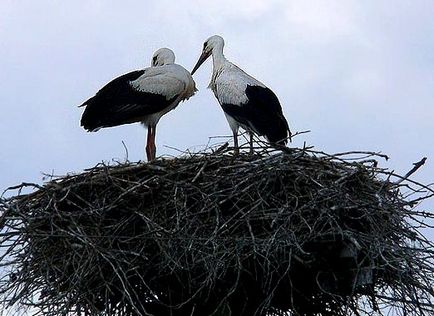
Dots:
pixel 131 98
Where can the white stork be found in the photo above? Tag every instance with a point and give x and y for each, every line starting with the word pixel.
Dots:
pixel 246 102
pixel 140 96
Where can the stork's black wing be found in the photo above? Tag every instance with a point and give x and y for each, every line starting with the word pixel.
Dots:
pixel 119 103
pixel 262 112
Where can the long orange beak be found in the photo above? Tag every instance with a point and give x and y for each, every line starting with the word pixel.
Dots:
pixel 201 60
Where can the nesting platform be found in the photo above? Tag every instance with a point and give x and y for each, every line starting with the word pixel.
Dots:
pixel 292 232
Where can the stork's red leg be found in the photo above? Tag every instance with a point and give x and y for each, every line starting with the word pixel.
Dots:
pixel 154 148
pixel 149 144
pixel 236 149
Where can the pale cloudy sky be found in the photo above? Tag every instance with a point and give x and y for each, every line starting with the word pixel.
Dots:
pixel 358 74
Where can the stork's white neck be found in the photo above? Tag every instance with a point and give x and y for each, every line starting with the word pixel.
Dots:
pixel 218 58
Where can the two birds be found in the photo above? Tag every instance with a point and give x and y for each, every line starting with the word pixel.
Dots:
pixel 146 95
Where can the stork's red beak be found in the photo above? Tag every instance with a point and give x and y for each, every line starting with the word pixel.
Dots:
pixel 201 60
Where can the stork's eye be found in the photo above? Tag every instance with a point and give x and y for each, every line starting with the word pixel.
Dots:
pixel 205 45
pixel 154 60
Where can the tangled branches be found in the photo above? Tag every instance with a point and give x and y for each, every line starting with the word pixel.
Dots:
pixel 295 231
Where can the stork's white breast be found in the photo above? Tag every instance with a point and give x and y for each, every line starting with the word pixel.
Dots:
pixel 168 80
pixel 229 84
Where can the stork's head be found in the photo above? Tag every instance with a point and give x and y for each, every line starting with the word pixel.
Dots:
pixel 163 56
pixel 214 43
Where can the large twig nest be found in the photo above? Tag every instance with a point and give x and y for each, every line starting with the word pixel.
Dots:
pixel 295 231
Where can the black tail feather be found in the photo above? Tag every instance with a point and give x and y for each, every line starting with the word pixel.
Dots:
pixel 278 132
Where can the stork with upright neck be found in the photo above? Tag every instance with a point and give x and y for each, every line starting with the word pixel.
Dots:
pixel 246 102
pixel 140 96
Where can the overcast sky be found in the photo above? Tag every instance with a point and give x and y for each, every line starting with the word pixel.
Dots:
pixel 358 74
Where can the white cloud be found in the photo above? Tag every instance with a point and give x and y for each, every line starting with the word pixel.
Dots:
pixel 322 19
pixel 229 9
